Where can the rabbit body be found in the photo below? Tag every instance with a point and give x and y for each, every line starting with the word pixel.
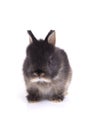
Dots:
pixel 46 69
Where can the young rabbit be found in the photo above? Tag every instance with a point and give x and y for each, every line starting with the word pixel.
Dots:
pixel 46 69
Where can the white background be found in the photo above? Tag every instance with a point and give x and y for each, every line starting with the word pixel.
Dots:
pixel 73 21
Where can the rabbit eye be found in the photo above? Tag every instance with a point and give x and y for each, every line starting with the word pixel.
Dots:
pixel 50 60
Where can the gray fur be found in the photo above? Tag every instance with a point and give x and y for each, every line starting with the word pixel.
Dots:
pixel 59 73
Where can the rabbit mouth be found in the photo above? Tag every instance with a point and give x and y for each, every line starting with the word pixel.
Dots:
pixel 35 80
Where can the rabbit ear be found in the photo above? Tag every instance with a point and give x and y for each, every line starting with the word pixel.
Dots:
pixel 31 37
pixel 51 38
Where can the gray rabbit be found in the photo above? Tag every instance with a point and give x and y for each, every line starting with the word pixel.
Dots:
pixel 46 69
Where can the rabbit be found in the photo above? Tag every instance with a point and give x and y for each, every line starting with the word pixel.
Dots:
pixel 46 69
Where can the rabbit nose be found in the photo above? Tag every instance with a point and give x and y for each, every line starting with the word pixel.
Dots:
pixel 39 73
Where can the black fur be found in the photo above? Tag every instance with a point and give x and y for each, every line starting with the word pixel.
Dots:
pixel 44 58
pixel 33 95
pixel 57 97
